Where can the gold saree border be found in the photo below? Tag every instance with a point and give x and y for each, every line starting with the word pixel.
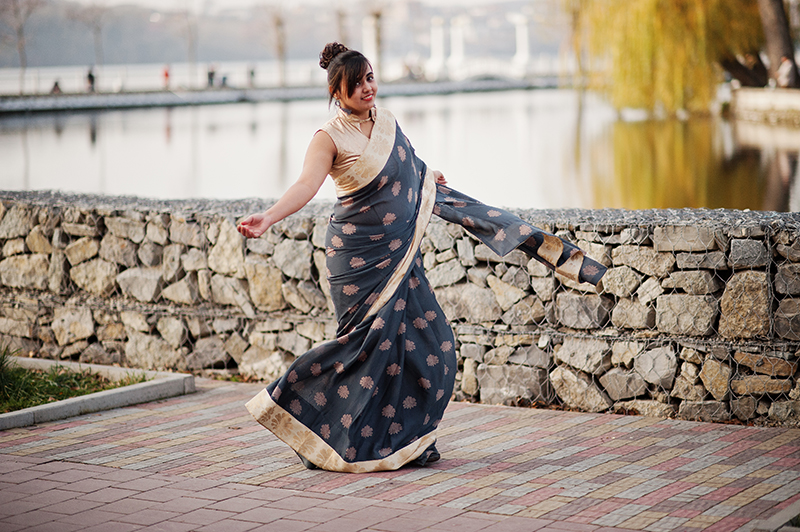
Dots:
pixel 303 440
pixel 374 157
pixel 423 218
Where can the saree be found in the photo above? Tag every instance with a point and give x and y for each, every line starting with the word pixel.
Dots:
pixel 372 399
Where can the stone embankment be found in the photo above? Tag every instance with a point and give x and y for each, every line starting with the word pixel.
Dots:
pixel 698 316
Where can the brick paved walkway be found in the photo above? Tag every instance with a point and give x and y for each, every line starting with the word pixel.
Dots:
pixel 199 462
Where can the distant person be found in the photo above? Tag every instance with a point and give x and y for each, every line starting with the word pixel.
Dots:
pixel 371 399
pixel 166 77
pixel 224 81
pixel 56 88
pixel 784 76
pixel 251 77
pixel 212 72
pixel 90 80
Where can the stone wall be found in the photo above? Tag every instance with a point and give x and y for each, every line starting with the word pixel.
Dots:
pixel 698 316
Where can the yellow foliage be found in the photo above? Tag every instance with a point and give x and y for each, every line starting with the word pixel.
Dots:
pixel 665 53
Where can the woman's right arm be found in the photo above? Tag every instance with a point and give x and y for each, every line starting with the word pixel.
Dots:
pixel 316 166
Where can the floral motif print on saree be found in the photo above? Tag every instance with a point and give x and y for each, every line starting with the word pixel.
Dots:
pixel 371 399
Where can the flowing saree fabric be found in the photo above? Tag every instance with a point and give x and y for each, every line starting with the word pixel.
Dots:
pixel 371 399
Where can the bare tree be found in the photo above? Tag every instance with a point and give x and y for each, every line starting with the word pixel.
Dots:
pixel 778 37
pixel 92 15
pixel 14 14
pixel 271 24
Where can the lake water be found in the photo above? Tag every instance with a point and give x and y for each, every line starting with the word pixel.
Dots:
pixel 524 149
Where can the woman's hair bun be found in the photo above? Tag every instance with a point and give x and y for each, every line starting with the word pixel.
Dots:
pixel 331 50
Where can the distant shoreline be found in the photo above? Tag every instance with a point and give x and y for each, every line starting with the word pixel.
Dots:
pixel 12 104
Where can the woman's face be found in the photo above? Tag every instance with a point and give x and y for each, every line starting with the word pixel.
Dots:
pixel 363 97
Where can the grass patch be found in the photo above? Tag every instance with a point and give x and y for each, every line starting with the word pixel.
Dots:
pixel 22 388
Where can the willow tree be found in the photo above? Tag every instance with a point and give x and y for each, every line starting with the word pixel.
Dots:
pixel 665 54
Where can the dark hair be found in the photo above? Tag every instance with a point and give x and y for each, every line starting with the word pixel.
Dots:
pixel 342 64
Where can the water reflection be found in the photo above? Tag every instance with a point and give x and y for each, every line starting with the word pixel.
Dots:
pixel 673 164
pixel 527 149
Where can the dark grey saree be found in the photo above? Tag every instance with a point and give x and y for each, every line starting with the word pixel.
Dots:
pixel 371 399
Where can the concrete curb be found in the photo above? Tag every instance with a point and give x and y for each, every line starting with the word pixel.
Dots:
pixel 779 521
pixel 160 385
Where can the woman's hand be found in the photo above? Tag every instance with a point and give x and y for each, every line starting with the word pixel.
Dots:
pixel 254 225
pixel 440 180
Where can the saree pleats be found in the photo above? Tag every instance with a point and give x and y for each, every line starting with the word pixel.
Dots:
pixel 371 399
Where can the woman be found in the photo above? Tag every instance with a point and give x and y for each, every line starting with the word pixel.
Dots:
pixel 371 399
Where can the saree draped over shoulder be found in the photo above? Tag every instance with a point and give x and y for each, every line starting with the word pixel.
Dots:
pixel 371 399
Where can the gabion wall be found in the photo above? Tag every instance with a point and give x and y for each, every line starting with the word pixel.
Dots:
pixel 698 316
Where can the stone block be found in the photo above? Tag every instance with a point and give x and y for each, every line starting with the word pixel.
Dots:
pixel 185 291
pixel 194 260
pixel 760 385
pixel 787 280
pixel 156 231
pixel 297 227
pixel 498 356
pixel 686 315
pixel 171 266
pixel 118 250
pixel 208 352
pixel 469 302
pixel 133 230
pixel 623 353
pixel 38 240
pixel 173 330
pixel 629 314
pixel 441 239
pixel 506 294
pixel 644 259
pixel 693 282
pixel 714 260
pixel 15 246
pixel 577 390
pixel 685 388
pixel 684 238
pixel 21 328
pixel 657 366
pixel 530 356
pixel 529 310
pixel 293 257
pixel 236 346
pixel 767 365
pixel 469 377
pixel 517 277
pixel 136 321
pixel 79 230
pixel 744 408
pixel 716 377
pixel 230 291
pixel 745 306
pixel 588 355
pixel 544 287
pixel 646 408
pixel 466 252
pixel 150 254
pixel 198 327
pixel 473 351
pixel 143 284
pixel 621 384
pixel 112 332
pixel 511 384
pixel 26 271
pixel 537 269
pixel 186 233
pixel 446 274
pixel 292 295
pixel 96 353
pixel 82 250
pixel 621 281
pixel 313 330
pixel 747 253
pixel 17 221
pixel 72 324
pixel 583 311
pixel 787 319
pixel 516 257
pixel 265 365
pixel 791 253
pixel 710 411
pixel 784 410
pixel 227 255
pixel 58 273
pixel 151 352
pixel 293 343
